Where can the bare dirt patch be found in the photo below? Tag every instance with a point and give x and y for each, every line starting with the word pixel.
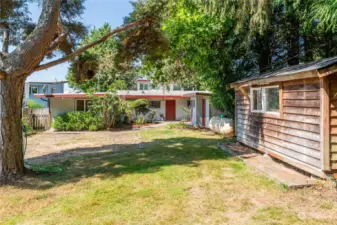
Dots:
pixel 49 146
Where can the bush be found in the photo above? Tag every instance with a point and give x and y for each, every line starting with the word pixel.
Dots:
pixel 93 127
pixel 33 105
pixel 28 129
pixel 180 125
pixel 140 120
pixel 151 116
pixel 77 121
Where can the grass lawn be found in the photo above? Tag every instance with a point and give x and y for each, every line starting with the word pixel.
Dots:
pixel 180 177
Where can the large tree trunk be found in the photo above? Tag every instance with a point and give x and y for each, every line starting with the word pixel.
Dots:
pixel 294 41
pixel 11 155
pixel 263 45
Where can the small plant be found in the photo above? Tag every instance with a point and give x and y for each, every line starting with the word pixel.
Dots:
pixel 28 129
pixel 180 125
pixel 187 113
pixel 33 105
pixel 151 116
pixel 140 120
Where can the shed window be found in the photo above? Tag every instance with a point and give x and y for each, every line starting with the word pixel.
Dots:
pixel 53 90
pixel 265 99
pixel 154 104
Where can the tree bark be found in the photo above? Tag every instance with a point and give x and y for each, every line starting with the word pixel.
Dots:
pixel 11 155
pixel 263 44
pixel 293 40
pixel 308 46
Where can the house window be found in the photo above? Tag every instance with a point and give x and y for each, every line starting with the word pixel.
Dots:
pixel 143 87
pixel 176 87
pixel 82 105
pixel 33 90
pixel 154 104
pixel 265 99
pixel 53 90
pixel 189 103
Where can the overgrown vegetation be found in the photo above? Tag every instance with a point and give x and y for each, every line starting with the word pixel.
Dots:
pixel 217 42
pixel 77 121
pixel 106 112
pixel 33 105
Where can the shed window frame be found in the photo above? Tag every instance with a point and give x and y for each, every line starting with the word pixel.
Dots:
pixel 263 99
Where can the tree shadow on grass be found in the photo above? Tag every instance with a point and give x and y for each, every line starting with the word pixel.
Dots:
pixel 129 159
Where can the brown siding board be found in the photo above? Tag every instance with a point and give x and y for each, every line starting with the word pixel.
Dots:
pixel 283 123
pixel 334 157
pixel 301 103
pixel 315 145
pixel 301 86
pixel 296 148
pixel 285 130
pixel 302 118
pixel 302 111
pixel 285 151
pixel 301 95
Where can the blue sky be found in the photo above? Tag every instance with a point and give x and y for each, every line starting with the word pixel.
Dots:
pixel 96 14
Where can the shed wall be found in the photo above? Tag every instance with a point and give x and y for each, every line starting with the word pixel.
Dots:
pixel 294 135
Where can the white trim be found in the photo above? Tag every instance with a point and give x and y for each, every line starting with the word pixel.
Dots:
pixel 252 100
pixel 264 100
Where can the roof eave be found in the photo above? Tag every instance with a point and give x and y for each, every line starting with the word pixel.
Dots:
pixel 274 79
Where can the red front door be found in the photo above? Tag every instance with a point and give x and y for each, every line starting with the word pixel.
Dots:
pixel 170 110
pixel 204 112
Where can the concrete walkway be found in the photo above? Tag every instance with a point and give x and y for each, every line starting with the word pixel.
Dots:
pixel 269 167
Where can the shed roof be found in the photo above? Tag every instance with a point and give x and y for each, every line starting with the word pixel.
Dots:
pixel 307 67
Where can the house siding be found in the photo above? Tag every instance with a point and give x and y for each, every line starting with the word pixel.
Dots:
pixel 294 136
pixel 59 106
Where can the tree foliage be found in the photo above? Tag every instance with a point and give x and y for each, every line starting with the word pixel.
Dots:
pixel 100 67
pixel 221 41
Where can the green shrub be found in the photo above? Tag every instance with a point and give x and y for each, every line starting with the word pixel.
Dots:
pixel 33 105
pixel 140 120
pixel 93 127
pixel 28 129
pixel 180 125
pixel 151 116
pixel 77 121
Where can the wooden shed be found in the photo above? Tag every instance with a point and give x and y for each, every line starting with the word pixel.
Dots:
pixel 291 115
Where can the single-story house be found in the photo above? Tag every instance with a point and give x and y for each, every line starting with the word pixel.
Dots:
pixel 168 102
pixel 291 115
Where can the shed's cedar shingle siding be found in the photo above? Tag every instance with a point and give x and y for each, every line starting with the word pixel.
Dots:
pixel 333 122
pixel 294 134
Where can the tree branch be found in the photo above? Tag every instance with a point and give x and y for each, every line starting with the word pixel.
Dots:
pixel 5 41
pixel 30 53
pixel 86 47
pixel 56 43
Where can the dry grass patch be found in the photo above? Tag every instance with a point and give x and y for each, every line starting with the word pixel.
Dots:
pixel 180 177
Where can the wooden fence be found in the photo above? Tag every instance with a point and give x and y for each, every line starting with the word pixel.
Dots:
pixel 39 119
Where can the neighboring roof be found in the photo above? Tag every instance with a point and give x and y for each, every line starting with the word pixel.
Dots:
pixel 47 82
pixel 316 65
pixel 131 94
